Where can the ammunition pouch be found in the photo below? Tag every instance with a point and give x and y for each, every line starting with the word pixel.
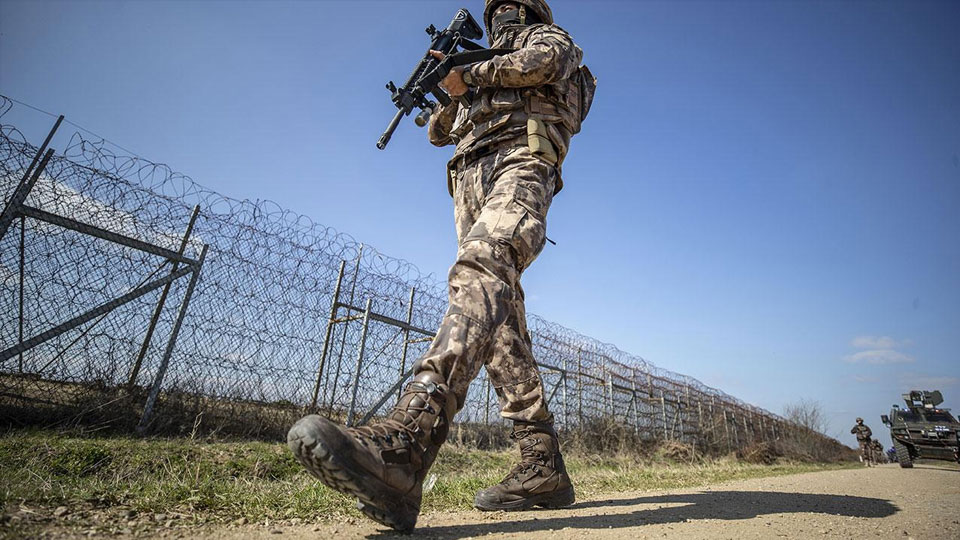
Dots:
pixel 539 141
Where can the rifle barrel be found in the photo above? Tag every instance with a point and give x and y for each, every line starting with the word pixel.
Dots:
pixel 385 138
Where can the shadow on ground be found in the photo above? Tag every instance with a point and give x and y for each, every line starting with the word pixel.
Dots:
pixel 676 508
pixel 936 465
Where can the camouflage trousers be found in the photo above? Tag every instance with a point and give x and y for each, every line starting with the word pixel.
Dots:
pixel 500 207
pixel 866 450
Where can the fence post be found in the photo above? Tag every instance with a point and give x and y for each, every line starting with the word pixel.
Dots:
pixel 162 371
pixel 135 371
pixel 700 434
pixel 346 327
pixel 356 375
pixel 603 382
pixel 663 411
pixel 566 424
pixel 680 417
pixel 613 411
pixel 334 306
pixel 406 340
pixel 486 400
pixel 736 436
pixel 23 228
pixel 633 401
pixel 726 429
pixel 580 385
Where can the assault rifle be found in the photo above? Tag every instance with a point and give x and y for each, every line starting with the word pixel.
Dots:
pixel 426 77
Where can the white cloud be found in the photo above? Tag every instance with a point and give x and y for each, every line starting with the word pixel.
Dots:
pixel 879 357
pixel 868 379
pixel 874 342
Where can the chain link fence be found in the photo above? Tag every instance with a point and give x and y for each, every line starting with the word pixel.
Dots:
pixel 133 298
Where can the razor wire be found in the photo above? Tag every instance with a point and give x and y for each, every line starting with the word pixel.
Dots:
pixel 248 358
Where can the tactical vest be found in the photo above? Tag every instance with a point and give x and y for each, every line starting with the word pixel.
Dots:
pixel 502 116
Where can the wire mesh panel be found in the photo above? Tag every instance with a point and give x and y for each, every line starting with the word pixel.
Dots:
pixel 288 317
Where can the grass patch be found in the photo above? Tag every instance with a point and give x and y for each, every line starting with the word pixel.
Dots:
pixel 117 479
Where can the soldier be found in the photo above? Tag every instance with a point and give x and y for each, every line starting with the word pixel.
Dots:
pixel 863 434
pixel 878 455
pixel 511 141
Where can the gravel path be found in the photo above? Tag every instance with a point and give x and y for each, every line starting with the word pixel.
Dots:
pixel 882 502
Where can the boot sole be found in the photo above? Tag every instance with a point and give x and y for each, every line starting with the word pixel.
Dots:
pixel 378 502
pixel 552 500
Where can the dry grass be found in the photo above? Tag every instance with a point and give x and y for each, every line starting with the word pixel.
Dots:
pixel 105 481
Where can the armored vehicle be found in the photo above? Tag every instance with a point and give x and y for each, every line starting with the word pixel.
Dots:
pixel 922 429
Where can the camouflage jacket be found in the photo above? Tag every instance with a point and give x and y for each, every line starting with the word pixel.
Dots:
pixel 540 78
pixel 862 432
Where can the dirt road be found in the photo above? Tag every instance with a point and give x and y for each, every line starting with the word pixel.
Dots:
pixel 883 502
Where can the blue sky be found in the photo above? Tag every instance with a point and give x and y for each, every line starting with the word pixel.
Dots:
pixel 766 195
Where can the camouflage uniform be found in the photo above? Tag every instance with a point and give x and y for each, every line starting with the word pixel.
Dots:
pixel 878 455
pixel 502 192
pixel 863 434
pixel 510 144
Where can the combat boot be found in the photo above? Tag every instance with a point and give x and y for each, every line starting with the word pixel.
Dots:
pixel 383 465
pixel 540 479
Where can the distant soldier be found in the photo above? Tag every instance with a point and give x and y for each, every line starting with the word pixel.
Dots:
pixel 878 455
pixel 863 434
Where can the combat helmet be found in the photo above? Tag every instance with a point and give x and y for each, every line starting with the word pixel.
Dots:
pixel 538 7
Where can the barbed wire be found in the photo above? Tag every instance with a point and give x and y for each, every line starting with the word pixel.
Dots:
pixel 247 357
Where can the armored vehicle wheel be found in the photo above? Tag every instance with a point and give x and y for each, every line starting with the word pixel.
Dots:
pixel 903 454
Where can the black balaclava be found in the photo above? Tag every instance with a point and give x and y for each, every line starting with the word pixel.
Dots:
pixel 521 17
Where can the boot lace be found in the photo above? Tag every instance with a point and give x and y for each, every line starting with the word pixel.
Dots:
pixel 530 457
pixel 397 425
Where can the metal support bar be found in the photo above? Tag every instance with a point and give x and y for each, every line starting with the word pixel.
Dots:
pixel 554 391
pixel 104 234
pixel 356 374
pixel 384 319
pixel 171 343
pixel 386 395
pixel 14 206
pixel 43 147
pixel 93 325
pixel 135 371
pixel 351 318
pixel 10 209
pixel 92 314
